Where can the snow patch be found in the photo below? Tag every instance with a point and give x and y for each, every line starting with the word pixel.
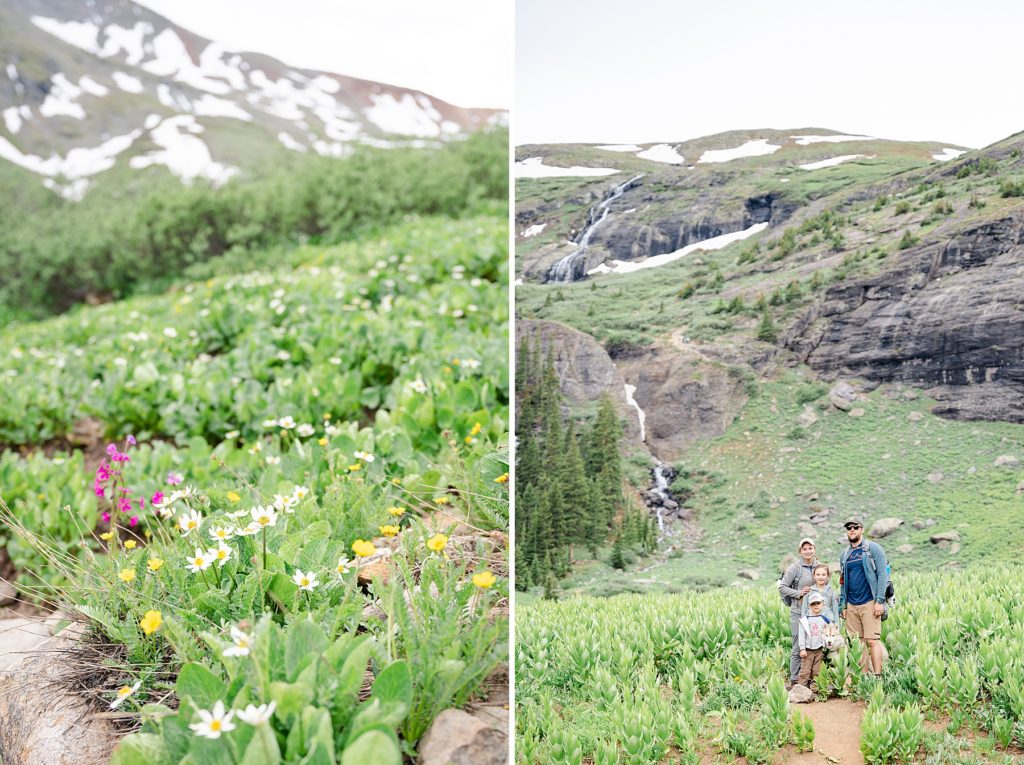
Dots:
pixel 81 34
pixel 640 413
pixel 152 121
pixel 183 154
pixel 131 41
pixel 620 147
pixel 15 116
pixel 61 100
pixel 211 106
pixel 533 230
pixel 534 167
pixel 90 86
pixel 79 163
pixel 754 148
pixel 662 153
pixel 127 83
pixel 948 154
pixel 326 84
pixel 807 140
pixel 715 243
pixel 833 161
pixel 172 59
pixel 291 143
pixel 407 116
pixel 172 99
pixel 73 191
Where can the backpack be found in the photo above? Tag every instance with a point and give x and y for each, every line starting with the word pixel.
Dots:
pixel 890 591
pixel 786 599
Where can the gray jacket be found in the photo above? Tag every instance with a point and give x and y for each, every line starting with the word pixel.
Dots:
pixel 874 564
pixel 797 576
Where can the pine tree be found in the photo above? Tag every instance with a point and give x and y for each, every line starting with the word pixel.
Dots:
pixel 618 559
pixel 766 331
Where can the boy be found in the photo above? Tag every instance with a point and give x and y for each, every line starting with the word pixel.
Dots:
pixel 812 639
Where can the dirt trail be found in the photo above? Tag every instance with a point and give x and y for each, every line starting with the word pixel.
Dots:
pixel 836 734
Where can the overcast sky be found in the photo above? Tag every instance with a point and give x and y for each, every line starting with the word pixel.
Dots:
pixel 457 50
pixel 650 70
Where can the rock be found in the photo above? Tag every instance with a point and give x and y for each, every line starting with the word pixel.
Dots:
pixel 955 548
pixel 41 721
pixel 1020 487
pixel 820 517
pixel 910 395
pixel 919 525
pixel 800 694
pixel 1007 460
pixel 905 549
pixel 842 396
pixel 376 569
pixel 812 497
pixel 807 417
pixel 945 536
pixel 7 593
pixel 806 530
pixel 670 504
pixel 748 573
pixel 883 527
pixel 915 416
pixel 457 738
pixel 858 412
pixel 972 470
pixel 936 477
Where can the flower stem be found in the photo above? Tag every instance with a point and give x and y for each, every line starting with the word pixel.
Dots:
pixel 264 547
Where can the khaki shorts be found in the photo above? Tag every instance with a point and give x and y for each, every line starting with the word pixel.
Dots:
pixel 861 621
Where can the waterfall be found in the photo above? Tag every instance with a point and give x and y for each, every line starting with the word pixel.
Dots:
pixel 640 413
pixel 660 490
pixel 566 269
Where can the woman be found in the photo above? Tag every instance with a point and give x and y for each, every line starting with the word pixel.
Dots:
pixel 793 586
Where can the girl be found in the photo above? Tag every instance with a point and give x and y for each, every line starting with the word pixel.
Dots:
pixel 830 601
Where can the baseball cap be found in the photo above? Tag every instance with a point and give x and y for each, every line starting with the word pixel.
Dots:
pixel 804 541
pixel 815 598
pixel 853 520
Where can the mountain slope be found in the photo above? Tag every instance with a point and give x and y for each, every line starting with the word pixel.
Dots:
pixel 89 85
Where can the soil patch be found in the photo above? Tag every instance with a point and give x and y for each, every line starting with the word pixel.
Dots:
pixel 836 734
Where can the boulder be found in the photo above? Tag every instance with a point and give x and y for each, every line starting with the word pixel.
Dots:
pixel 807 417
pixel 842 396
pixel 955 548
pixel 858 412
pixel 945 536
pixel 1020 487
pixel 920 525
pixel 883 527
pixel 7 593
pixel 1007 460
pixel 457 738
pixel 41 721
pixel 800 694
pixel 915 416
pixel 936 477
pixel 749 573
pixel 905 549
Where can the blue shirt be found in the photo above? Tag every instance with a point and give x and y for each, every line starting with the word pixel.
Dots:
pixel 858 591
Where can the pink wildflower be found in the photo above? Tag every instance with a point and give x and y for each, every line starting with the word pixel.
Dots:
pixel 157 498
pixel 98 489
pixel 106 517
pixel 120 457
pixel 174 479
pixel 124 504
pixel 133 521
pixel 142 503
pixel 130 440
pixel 103 472
pixel 111 450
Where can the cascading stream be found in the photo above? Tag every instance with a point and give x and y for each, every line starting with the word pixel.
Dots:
pixel 565 269
pixel 661 491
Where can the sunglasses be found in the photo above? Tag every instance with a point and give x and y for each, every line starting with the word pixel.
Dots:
pixel 851 527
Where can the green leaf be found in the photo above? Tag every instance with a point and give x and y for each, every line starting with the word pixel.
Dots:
pixel 373 746
pixel 263 748
pixel 375 713
pixel 320 756
pixel 200 685
pixel 282 591
pixel 394 684
pixel 141 749
pixel 303 638
pixel 290 698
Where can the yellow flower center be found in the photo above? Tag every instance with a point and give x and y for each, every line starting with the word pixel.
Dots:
pixel 305 582
pixel 215 725
pixel 123 691
pixel 191 524
pixel 199 562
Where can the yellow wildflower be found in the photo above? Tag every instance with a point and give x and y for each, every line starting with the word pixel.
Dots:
pixel 456 362
pixel 389 531
pixel 234 497
pixel 327 415
pixel 443 500
pixel 363 548
pixel 396 481
pixel 130 544
pixel 323 441
pixel 477 427
pixel 355 467
pixel 107 536
pixel 396 511
pixel 437 542
pixel 503 478
pixel 155 564
pixel 126 575
pixel 484 579
pixel 151 622
pixel 470 439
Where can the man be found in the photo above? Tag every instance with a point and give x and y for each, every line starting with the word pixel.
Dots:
pixel 793 585
pixel 862 583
